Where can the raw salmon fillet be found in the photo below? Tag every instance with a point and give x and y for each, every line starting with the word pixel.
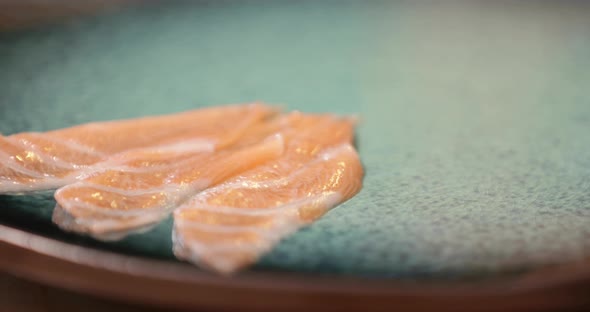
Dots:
pixel 40 161
pixel 149 185
pixel 228 227
pixel 238 178
pixel 138 188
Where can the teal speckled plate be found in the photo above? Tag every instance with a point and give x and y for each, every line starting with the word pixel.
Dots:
pixel 475 128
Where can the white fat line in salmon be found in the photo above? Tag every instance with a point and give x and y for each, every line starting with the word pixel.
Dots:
pixel 184 146
pixel 117 161
pixel 197 146
pixel 96 228
pixel 329 199
pixel 59 209
pixel 110 212
pixel 135 192
pixel 73 204
pixel 45 158
pixel 69 143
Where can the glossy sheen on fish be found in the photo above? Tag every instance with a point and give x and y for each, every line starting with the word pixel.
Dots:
pixel 148 185
pixel 230 226
pixel 40 161
pixel 136 189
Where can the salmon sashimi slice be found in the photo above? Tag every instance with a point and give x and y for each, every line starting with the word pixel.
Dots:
pixel 39 161
pixel 228 227
pixel 140 187
pixel 113 203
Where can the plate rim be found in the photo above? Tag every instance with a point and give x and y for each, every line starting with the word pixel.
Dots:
pixel 134 279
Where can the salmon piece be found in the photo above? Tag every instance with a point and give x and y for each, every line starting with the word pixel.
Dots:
pixel 39 161
pixel 138 188
pixel 113 203
pixel 228 227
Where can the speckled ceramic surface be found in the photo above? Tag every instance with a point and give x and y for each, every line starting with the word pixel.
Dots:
pixel 475 132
